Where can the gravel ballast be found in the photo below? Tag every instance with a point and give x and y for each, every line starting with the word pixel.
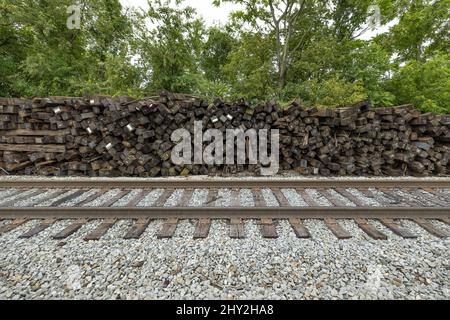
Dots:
pixel 219 267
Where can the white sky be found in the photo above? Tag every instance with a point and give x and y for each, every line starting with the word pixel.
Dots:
pixel 219 15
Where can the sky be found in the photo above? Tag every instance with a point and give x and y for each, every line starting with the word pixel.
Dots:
pixel 219 15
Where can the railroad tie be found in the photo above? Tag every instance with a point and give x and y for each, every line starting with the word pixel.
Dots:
pixel 445 220
pixel 90 198
pixel 326 193
pixel 13 200
pixel 137 229
pixel 258 198
pixel 12 225
pixel 212 197
pixel 236 228
pixel 67 198
pixel 306 197
pixel 101 230
pixel 202 228
pixel 437 195
pixel 281 198
pixel 337 229
pixel 186 197
pixel 38 228
pixel 168 229
pixel 370 230
pixel 343 192
pixel 50 196
pixel 425 224
pixel 138 198
pixel 430 197
pixel 163 198
pixel 397 228
pixel 390 195
pixel 299 229
pixel 116 198
pixel 10 195
pixel 268 229
pixel 69 230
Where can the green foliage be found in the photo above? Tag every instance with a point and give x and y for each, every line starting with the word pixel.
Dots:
pixel 250 72
pixel 333 92
pixel 422 29
pixel 425 84
pixel 269 49
pixel 170 48
pixel 215 53
pixel 41 56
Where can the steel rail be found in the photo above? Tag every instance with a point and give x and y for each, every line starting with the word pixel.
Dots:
pixel 225 183
pixel 226 212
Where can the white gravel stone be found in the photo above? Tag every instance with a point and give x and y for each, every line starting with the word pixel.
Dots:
pixel 269 198
pixel 382 198
pixel 174 198
pixel 103 198
pixel 19 195
pixel 415 196
pixel 246 198
pixel 370 202
pixel 4 193
pixel 336 195
pixel 294 198
pixel 82 197
pixel 219 267
pixel 49 202
pixel 318 198
pixel 127 198
pixel 199 197
pixel 28 202
pixel 223 198
pixel 150 198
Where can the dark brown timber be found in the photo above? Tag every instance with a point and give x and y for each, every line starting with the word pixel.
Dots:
pixel 202 228
pixel 69 230
pixel 137 229
pixel 101 230
pixel 337 229
pixel 168 228
pixel 236 228
pixel 38 228
pixel 268 229
pixel 397 228
pixel 368 228
pixel 299 229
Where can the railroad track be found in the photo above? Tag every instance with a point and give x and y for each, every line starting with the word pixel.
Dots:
pixel 266 200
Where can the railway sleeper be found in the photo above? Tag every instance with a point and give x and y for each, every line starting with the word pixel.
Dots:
pixel 267 228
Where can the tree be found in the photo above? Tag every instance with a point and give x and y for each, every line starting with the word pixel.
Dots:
pixel 422 30
pixel 170 48
pixel 216 51
pixel 425 84
pixel 49 58
pixel 250 72
pixel 279 19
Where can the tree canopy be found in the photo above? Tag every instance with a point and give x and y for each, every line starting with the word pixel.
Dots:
pixel 283 49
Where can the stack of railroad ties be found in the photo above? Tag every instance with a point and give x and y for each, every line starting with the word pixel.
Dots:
pixel 104 136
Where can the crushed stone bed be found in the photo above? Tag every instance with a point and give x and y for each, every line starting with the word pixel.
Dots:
pixel 222 268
